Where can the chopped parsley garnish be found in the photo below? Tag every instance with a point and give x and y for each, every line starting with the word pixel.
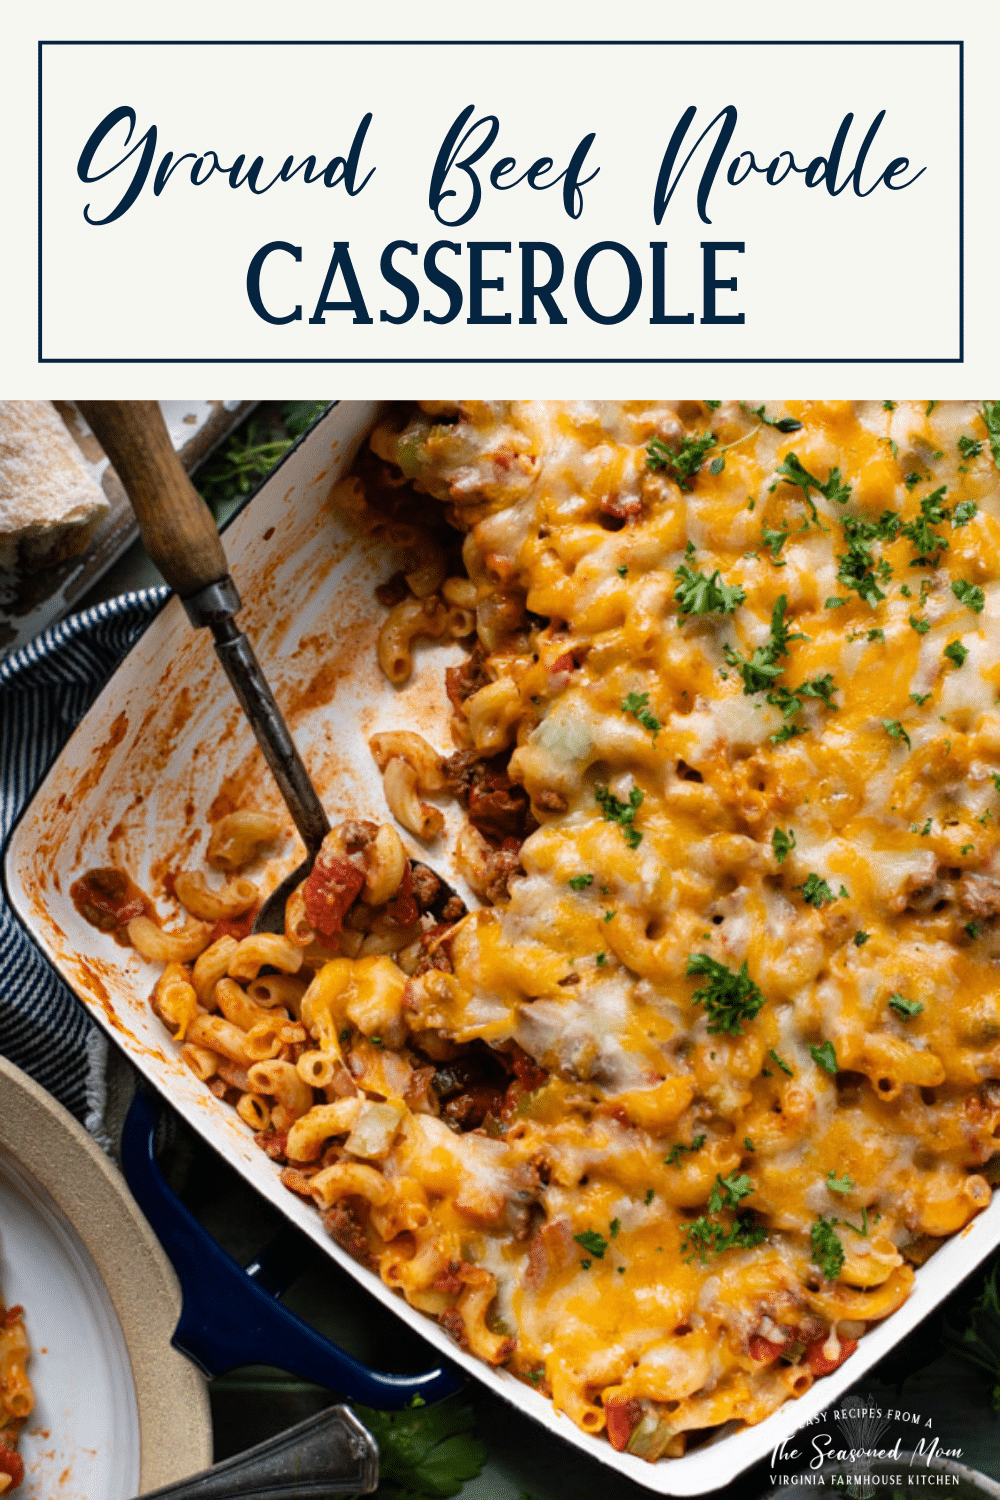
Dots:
pixel 622 570
pixel 990 414
pixel 585 1265
pixel 837 1184
pixel 790 701
pixel 717 465
pixel 833 602
pixel 595 1244
pixel 622 813
pixel 706 1236
pixel 614 1229
pixel 964 512
pixel 825 1057
pixel 895 731
pixel 782 843
pixel 601 959
pixel 956 652
pixel 697 594
pixel 760 670
pixel 857 568
pixel 969 447
pixel 816 892
pixel 904 1008
pixel 713 405
pixel 609 916
pixel 650 1195
pixel 729 1192
pixel 912 480
pixel 972 929
pixel 681 463
pixel 581 882
pixel 827 1251
pixel 888 406
pixel 781 1063
pixel 861 938
pixel 673 1159
pixel 919 698
pixel 929 543
pixel 920 626
pixel 780 424
pixel 748 1143
pixel 728 998
pixel 635 704
pixel 968 594
pixel 792 472
pixel 774 541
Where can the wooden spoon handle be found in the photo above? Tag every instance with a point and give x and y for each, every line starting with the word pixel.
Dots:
pixel 176 524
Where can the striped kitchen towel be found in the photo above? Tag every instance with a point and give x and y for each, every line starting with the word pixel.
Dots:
pixel 45 689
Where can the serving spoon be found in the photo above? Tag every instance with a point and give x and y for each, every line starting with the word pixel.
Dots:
pixel 180 536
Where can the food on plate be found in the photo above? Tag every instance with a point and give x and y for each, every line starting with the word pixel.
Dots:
pixel 667 1123
pixel 50 503
pixel 17 1399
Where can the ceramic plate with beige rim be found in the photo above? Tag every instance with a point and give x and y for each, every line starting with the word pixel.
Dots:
pixel 118 1411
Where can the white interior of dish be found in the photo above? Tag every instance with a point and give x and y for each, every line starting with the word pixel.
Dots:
pixel 143 768
pixel 82 1441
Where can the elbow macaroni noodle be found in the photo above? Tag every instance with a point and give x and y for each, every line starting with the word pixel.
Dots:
pixel 17 1399
pixel 664 1126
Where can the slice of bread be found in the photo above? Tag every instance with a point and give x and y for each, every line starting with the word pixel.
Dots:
pixel 50 502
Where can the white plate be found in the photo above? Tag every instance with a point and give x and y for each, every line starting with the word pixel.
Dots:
pixel 165 740
pixel 117 1410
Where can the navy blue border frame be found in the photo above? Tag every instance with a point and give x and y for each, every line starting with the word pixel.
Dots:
pixel 516 42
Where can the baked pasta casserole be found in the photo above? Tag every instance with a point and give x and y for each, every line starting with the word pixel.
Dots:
pixel 666 1123
pixel 17 1399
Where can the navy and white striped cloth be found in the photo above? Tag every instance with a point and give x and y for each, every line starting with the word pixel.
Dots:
pixel 45 689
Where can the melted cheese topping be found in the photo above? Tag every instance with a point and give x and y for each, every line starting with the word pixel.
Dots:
pixel 838 846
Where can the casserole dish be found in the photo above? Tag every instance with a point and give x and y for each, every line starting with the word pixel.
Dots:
pixel 163 748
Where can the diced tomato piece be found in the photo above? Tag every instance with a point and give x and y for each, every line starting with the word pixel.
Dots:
pixel 235 927
pixel 403 909
pixel 564 663
pixel 11 1463
pixel 526 1070
pixel 765 1351
pixel 622 1417
pixel 329 890
pixel 818 1361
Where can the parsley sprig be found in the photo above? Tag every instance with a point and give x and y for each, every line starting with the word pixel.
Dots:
pixel 780 424
pixel 905 1009
pixel 673 1158
pixel 827 1251
pixel 426 1452
pixel 728 998
pixel 729 1192
pixel 699 594
pixel 636 705
pixel 990 414
pixel 760 670
pixel 683 462
pixel 792 471
pixel 622 813
pixel 782 843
